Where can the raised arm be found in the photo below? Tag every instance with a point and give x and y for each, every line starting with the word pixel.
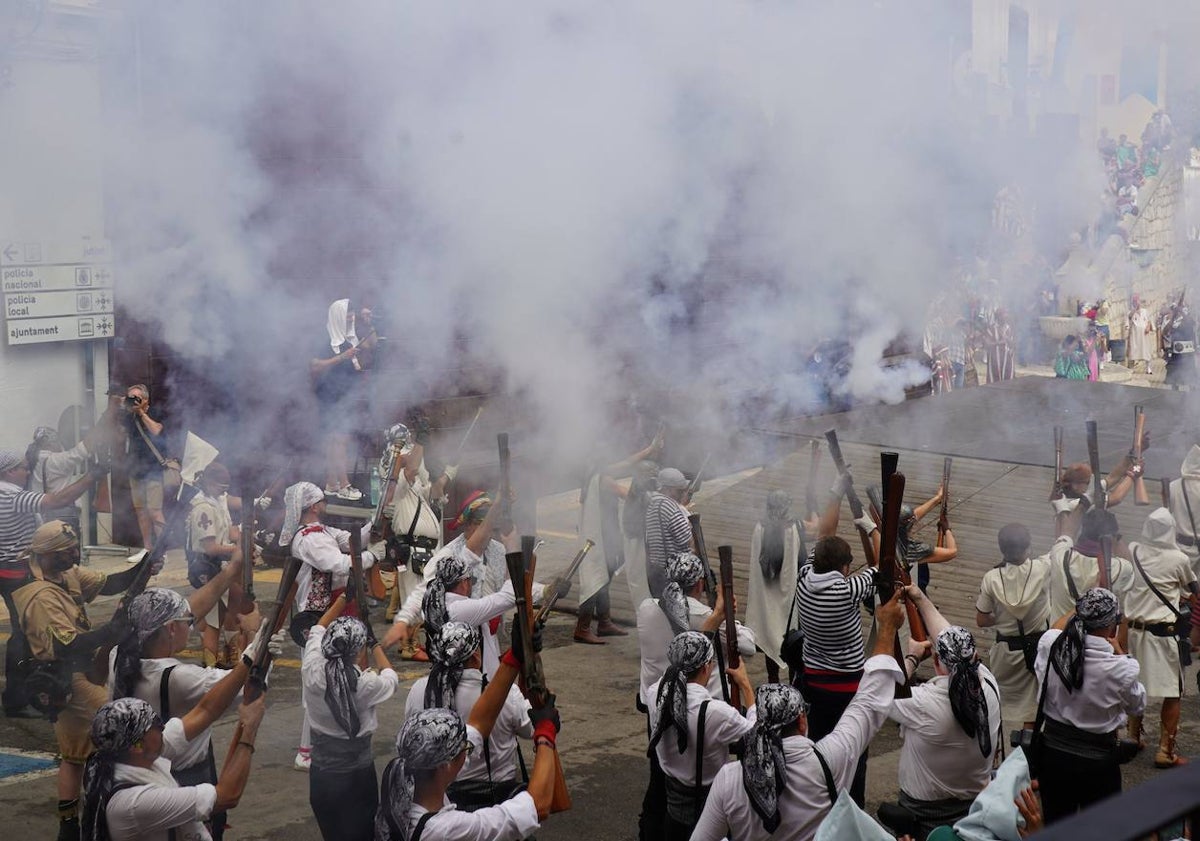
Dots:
pixel 231 782
pixel 935 623
pixel 215 701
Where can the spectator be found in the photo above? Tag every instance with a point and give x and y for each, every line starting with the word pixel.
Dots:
pixel 145 458
pixel 1071 363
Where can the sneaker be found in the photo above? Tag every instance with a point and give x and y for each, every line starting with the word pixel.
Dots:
pixel 303 760
pixel 350 493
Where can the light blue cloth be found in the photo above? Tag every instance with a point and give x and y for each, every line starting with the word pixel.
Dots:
pixel 847 822
pixel 994 815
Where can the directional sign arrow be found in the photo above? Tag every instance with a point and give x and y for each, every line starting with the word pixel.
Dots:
pixel 10 253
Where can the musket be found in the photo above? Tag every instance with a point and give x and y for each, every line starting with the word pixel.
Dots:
pixel 1166 492
pixel 246 546
pixel 710 586
pixel 466 435
pixel 695 483
pixel 1093 444
pixel 900 573
pixel 549 600
pixel 889 462
pixel 356 573
pixel 1103 579
pixel 505 521
pixel 856 506
pixel 944 516
pixel 521 566
pixel 392 464
pixel 810 492
pixel 256 682
pixel 890 569
pixel 1140 497
pixel 1056 487
pixel 732 658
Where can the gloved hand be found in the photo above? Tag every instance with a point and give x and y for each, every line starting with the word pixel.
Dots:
pixel 561 585
pixel 545 719
pixel 865 524
pixel 372 640
pixel 262 503
pixel 516 651
pixel 450 472
pixel 1064 505
pixel 275 643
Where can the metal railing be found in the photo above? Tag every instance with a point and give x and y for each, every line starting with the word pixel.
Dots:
pixel 1141 812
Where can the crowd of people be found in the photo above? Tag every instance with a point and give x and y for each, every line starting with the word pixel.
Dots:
pixel 1128 166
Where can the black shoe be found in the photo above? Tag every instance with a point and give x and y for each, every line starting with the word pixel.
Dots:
pixel 68 830
pixel 21 712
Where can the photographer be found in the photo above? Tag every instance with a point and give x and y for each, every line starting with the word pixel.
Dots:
pixel 145 458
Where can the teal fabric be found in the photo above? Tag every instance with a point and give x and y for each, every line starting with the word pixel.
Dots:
pixel 847 822
pixel 994 815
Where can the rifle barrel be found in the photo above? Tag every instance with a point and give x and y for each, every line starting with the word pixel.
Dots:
pixel 570 573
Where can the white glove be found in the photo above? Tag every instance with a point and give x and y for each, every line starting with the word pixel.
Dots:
pixel 1064 505
pixel 865 524
pixel 368 559
pixel 451 472
pixel 275 643
pixel 262 503
pixel 250 652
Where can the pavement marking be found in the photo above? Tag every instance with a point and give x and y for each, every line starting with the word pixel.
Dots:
pixel 20 766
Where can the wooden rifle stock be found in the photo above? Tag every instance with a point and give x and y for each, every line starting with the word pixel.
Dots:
pixel 1093 443
pixel 246 546
pixel 551 598
pixel 710 584
pixel 521 568
pixel 356 572
pixel 890 569
pixel 732 658
pixel 1056 490
pixel 1104 578
pixel 1140 497
pixel 1166 492
pixel 856 506
pixel 810 491
pixel 901 574
pixel 505 521
pixel 944 516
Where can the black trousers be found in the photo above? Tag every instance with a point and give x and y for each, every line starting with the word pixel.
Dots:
pixel 654 802
pixel 598 605
pixel 1069 783
pixel 673 830
pixel 344 802
pixel 15 650
pixel 823 716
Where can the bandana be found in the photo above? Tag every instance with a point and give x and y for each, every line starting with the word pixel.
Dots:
pixel 117 726
pixel 1096 609
pixel 343 639
pixel 683 571
pixel 473 510
pixel 296 499
pixel 46 438
pixel 426 740
pixel 449 649
pixel 10 458
pixel 339 326
pixel 53 536
pixel 764 772
pixel 956 651
pixel 688 653
pixel 451 570
pixel 148 612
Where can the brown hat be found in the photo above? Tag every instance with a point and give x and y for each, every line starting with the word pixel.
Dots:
pixel 53 536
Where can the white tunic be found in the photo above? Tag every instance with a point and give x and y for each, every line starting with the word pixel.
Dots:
pixel 486 614
pixel 723 726
pixel 1012 593
pixel 1110 692
pixel 804 802
pixel 371 691
pixel 405 497
pixel 635 569
pixel 769 603
pixel 326 563
pixel 488 573
pixel 1187 522
pixel 1141 345
pixel 512 722
pixel 593 572
pixel 157 804
pixel 1085 574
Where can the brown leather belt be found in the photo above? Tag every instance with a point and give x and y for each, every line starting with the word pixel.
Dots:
pixel 1158 629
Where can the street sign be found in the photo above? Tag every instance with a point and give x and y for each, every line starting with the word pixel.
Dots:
pixel 57 291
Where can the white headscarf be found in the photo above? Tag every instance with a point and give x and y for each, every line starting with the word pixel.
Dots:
pixel 295 499
pixel 340 325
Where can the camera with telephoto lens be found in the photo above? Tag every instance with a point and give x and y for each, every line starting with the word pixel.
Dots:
pixel 132 400
pixel 1022 739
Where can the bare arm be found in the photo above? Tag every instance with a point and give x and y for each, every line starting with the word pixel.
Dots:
pixel 828 524
pixel 63 498
pixel 333 611
pixel 201 601
pixel 935 623
pixel 984 620
pixel 236 771
pixel 943 553
pixel 925 507
pixel 215 702
pixel 479 540
pixel 487 709
pixel 542 778
pixel 412 462
pixel 316 367
pixel 152 426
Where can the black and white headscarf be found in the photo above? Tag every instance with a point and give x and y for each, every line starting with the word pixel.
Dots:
pixel 688 653
pixel 148 612
pixel 683 571
pixel 428 739
pixel 343 639
pixel 1094 610
pixel 451 570
pixel 764 772
pixel 956 650
pixel 117 727
pixel 449 649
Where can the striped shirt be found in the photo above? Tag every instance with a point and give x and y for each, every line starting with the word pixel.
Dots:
pixel 829 617
pixel 667 530
pixel 18 521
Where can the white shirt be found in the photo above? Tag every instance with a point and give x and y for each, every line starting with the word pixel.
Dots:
pixel 655 635
pixel 1085 572
pixel 804 803
pixel 188 684
pixel 149 810
pixel 404 506
pixel 512 722
pixel 54 471
pixel 512 820
pixel 487 575
pixel 939 760
pixel 373 689
pixel 325 553
pixel 1110 691
pixel 482 612
pixel 723 726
